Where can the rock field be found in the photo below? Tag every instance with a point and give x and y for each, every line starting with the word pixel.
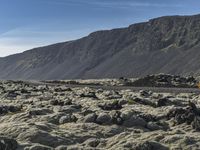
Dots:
pixel 155 80
pixel 44 117
pixel 165 80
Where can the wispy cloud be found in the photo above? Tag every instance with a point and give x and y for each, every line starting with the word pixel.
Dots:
pixel 21 39
pixel 114 4
pixel 128 4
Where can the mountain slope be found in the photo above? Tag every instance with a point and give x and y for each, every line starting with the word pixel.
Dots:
pixel 166 44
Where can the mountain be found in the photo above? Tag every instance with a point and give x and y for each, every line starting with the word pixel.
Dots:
pixel 168 44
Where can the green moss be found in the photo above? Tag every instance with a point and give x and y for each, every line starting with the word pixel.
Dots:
pixel 131 102
pixel 115 102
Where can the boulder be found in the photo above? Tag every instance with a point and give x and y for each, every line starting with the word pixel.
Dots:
pixel 196 123
pixel 116 117
pixel 4 109
pixel 39 147
pixel 67 118
pixel 61 147
pixel 115 105
pixel 103 118
pixel 149 145
pixel 135 121
pixel 8 144
pixel 92 142
pixel 43 138
pixel 60 102
pixel 90 118
pixel 89 95
pixel 144 93
pixel 153 126
pixel 189 115
pixel 39 111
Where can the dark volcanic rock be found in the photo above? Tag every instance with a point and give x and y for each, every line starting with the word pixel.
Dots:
pixel 10 108
pixel 135 121
pixel 39 147
pixel 90 118
pixel 164 80
pixel 93 142
pixel 150 146
pixel 143 101
pixel 115 105
pixel 67 118
pixel 8 144
pixel 196 123
pixel 189 115
pixel 103 118
pixel 61 103
pixel 12 95
pixel 116 117
pixel 89 94
pixel 163 102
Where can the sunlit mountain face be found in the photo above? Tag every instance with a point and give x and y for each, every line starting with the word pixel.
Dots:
pixel 161 45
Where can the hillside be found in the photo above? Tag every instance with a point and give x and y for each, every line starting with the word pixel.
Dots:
pixel 161 45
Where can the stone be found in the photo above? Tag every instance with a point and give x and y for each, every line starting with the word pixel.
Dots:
pixel 126 114
pixel 67 102
pixel 116 117
pixel 135 121
pixel 153 126
pixel 12 95
pixel 103 118
pixel 111 106
pixel 55 117
pixel 122 102
pixel 67 118
pixel 143 101
pixel 8 144
pixel 89 94
pixel 196 123
pixel 149 145
pixel 42 137
pixel 53 102
pixel 148 117
pixel 163 102
pixel 61 147
pixel 39 147
pixel 92 142
pixel 4 109
pixel 61 102
pixel 184 115
pixel 69 109
pixel 90 118
pixel 39 111
pixel 144 93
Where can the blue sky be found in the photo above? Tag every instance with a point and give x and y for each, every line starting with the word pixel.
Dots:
pixel 25 24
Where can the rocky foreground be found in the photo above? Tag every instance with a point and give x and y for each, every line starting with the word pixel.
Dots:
pixel 58 117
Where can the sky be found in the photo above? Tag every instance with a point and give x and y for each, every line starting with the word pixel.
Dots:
pixel 25 24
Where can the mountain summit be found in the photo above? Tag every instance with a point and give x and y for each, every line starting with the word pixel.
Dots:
pixel 163 45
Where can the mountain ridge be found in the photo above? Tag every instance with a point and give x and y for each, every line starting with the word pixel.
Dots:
pixel 161 45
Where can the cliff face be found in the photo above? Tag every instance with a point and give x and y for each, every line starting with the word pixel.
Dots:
pixel 166 44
